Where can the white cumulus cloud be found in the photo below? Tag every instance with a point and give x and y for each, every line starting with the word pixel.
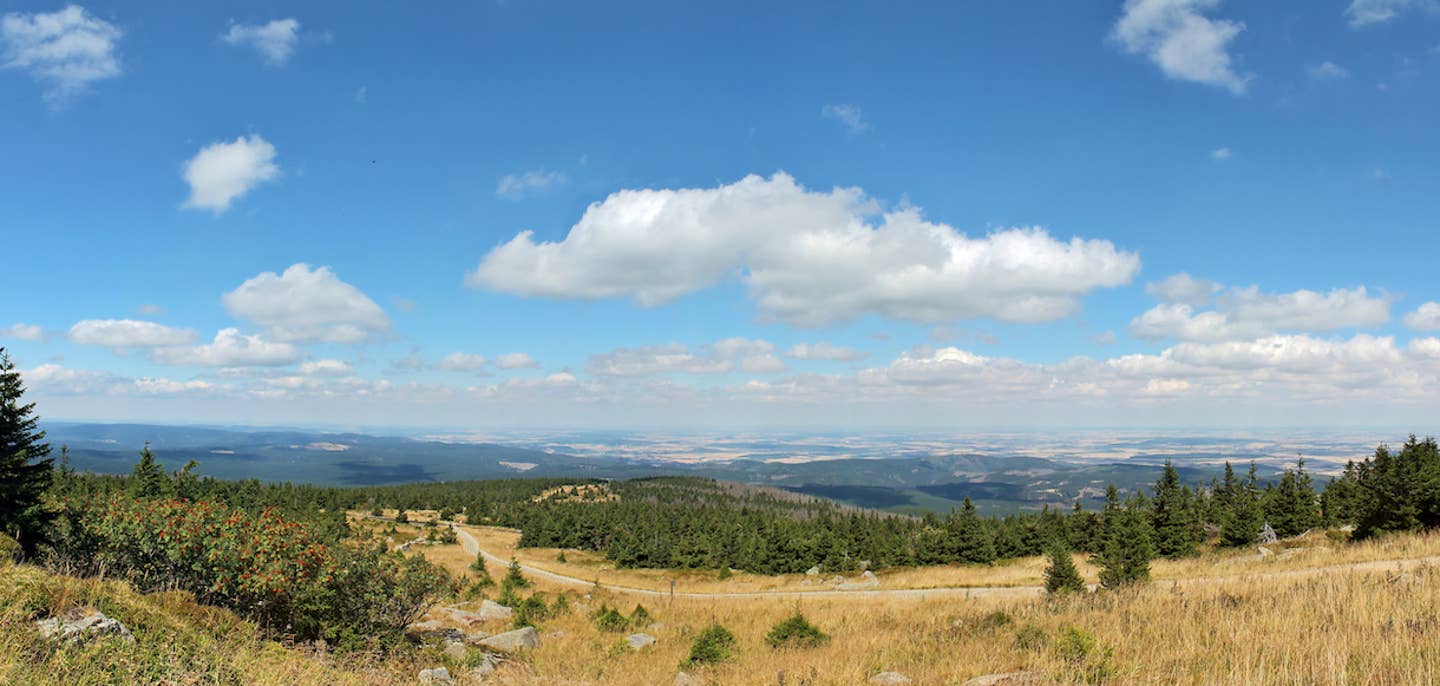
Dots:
pixel 808 258
pixel 1179 39
pixel 128 333
pixel 222 172
pixel 305 304
pixel 1424 318
pixel 274 40
pixel 22 332
pixel 230 349
pixel 515 361
pixel 327 368
pixel 720 357
pixel 1247 313
pixel 824 351
pixel 64 51
pixel 461 362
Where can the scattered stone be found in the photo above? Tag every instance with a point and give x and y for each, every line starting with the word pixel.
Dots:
pixel 683 679
pixel 889 679
pixel 1264 552
pixel 484 669
pixel 465 617
pixel 806 582
pixel 638 641
pixel 491 610
pixel 78 626
pixel 813 571
pixel 868 575
pixel 837 580
pixel 439 675
pixel 865 564
pixel 513 641
pixel 475 637
pixel 1007 679
pixel 455 650
pixel 433 629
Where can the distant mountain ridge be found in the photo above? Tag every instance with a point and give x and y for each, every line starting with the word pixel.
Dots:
pixel 914 483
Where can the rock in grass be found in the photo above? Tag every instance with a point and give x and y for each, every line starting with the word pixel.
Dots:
pixel 638 641
pixel 513 641
pixel 79 626
pixel 889 679
pixel 455 650
pixel 492 610
pixel 420 632
pixel 484 669
pixel 683 679
pixel 1007 679
pixel 439 675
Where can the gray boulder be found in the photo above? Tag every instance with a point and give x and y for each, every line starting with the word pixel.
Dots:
pixel 455 650
pixel 889 679
pixel 465 617
pixel 683 679
pixel 638 641
pixel 813 571
pixel 484 669
pixel 79 626
pixel 1007 679
pixel 439 675
pixel 491 610
pixel 513 641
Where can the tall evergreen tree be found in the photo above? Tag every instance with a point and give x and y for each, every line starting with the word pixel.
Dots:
pixel 148 479
pixel 1172 516
pixel 26 469
pixel 1061 576
pixel 1125 545
pixel 1292 508
pixel 973 540
pixel 1245 515
pixel 1398 491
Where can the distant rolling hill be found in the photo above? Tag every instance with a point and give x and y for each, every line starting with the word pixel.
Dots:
pixel 911 484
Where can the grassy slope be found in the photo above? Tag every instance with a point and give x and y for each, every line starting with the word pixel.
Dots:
pixel 177 641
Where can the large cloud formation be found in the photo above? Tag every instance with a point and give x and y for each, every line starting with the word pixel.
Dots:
pixel 808 258
pixel 305 304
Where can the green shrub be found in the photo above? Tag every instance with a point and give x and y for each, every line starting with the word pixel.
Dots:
pixel 529 611
pixel 561 606
pixel 560 557
pixel 402 518
pixel 1061 576
pixel 1030 637
pixel 714 644
pixel 640 617
pixel 607 618
pixel 280 573
pixel 1080 649
pixel 513 577
pixel 9 550
pixel 795 631
pixel 724 574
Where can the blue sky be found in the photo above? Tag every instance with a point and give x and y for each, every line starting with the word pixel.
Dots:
pixel 287 213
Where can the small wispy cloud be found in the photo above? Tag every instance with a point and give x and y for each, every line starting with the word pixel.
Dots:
pixel 362 95
pixel 275 41
pixel 65 51
pixel 1327 71
pixel 1363 13
pixel 849 116
pixel 517 186
pixel 1220 154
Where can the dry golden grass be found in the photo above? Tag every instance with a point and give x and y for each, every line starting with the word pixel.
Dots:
pixel 1343 628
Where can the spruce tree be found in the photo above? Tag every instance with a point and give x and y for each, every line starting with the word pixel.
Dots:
pixel 1245 515
pixel 147 479
pixel 1292 508
pixel 1125 546
pixel 973 540
pixel 1061 576
pixel 26 469
pixel 1172 516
